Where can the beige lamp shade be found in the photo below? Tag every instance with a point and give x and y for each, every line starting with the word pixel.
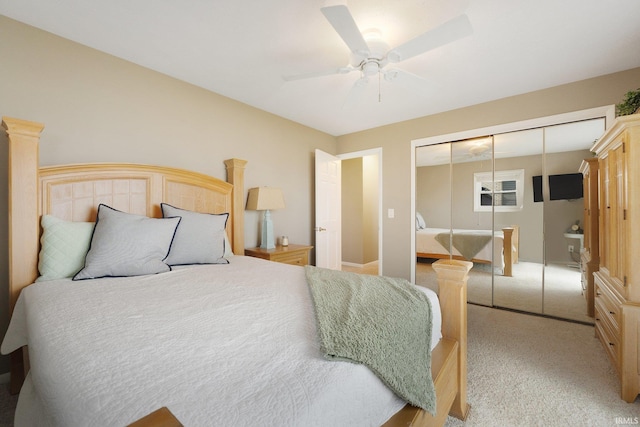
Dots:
pixel 265 198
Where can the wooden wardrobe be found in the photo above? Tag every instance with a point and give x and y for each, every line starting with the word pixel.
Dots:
pixel 590 255
pixel 617 282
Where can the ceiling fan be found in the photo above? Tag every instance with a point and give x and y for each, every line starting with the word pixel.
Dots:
pixel 371 56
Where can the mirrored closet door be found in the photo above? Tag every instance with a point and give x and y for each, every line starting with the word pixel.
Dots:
pixel 511 203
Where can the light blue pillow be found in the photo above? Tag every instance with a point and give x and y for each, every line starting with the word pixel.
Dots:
pixel 125 244
pixel 200 237
pixel 63 247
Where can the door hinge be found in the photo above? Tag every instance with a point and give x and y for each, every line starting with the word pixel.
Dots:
pixel 624 281
pixel 624 148
pixel 624 214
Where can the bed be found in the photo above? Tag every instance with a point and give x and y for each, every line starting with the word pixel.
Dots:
pixel 471 245
pixel 104 351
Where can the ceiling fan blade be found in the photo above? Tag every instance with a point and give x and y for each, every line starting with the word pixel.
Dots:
pixel 329 72
pixel 342 21
pixel 448 32
pixel 355 94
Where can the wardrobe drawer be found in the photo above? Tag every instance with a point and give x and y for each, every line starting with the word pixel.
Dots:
pixel 610 339
pixel 610 305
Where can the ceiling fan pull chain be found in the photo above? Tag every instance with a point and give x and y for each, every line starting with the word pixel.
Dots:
pixel 379 96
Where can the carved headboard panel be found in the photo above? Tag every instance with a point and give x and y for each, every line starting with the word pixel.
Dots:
pixel 73 192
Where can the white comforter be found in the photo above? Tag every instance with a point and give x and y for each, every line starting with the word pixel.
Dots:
pixel 218 345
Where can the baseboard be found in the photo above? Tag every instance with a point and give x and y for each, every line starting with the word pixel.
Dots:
pixel 353 264
pixel 356 265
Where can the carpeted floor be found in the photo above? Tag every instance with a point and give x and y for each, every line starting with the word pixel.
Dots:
pixel 523 370
pixel 526 370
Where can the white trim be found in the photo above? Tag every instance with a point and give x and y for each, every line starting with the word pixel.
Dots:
pixel 372 152
pixel 608 111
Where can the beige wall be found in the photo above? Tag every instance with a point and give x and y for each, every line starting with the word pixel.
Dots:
pixel 360 201
pixel 395 141
pixel 371 201
pixel 96 107
pixel 352 209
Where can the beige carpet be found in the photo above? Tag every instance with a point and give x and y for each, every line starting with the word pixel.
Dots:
pixel 526 370
pixel 562 289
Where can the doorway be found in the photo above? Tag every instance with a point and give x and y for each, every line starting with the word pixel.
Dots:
pixel 497 181
pixel 362 211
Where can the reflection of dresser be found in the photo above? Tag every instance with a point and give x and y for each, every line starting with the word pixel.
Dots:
pixel 590 254
pixel 617 283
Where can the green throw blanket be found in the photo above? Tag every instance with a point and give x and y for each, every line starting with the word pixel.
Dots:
pixel 381 322
pixel 468 243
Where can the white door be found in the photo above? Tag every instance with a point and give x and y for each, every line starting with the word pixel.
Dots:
pixel 328 211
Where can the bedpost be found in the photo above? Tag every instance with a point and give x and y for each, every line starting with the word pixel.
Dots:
pixel 515 242
pixel 452 283
pixel 507 250
pixel 235 176
pixel 24 230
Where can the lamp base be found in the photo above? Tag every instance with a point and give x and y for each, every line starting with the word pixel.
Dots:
pixel 267 241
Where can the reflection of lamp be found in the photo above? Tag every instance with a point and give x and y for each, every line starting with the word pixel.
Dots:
pixel 265 199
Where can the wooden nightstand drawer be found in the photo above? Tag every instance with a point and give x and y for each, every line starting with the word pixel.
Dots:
pixel 296 257
pixel 292 254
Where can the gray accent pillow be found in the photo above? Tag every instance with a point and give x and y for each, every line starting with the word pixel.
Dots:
pixel 200 238
pixel 125 244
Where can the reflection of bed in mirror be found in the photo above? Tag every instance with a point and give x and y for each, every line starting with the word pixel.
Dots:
pixel 471 245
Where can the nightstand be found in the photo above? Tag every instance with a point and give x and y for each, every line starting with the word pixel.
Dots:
pixel 292 254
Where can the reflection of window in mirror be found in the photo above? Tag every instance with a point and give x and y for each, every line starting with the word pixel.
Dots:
pixel 503 190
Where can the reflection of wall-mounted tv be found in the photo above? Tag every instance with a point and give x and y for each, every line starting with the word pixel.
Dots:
pixel 537 188
pixel 566 186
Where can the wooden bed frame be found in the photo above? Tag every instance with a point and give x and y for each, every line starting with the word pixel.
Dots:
pixel 510 249
pixel 73 192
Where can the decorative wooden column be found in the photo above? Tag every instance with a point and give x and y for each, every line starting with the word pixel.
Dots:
pixel 24 229
pixel 452 283
pixel 235 176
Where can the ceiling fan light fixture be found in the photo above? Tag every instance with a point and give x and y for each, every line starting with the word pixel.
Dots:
pixel 478 149
pixel 394 56
pixel 390 75
pixel 370 68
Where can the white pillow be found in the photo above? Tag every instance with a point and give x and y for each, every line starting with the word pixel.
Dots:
pixel 63 246
pixel 420 224
pixel 124 244
pixel 200 237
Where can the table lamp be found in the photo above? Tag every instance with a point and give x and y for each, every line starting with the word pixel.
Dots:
pixel 266 199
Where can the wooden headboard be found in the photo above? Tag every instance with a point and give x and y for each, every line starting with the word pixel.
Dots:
pixel 73 193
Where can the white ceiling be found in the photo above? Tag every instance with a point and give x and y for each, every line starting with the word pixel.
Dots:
pixel 243 48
